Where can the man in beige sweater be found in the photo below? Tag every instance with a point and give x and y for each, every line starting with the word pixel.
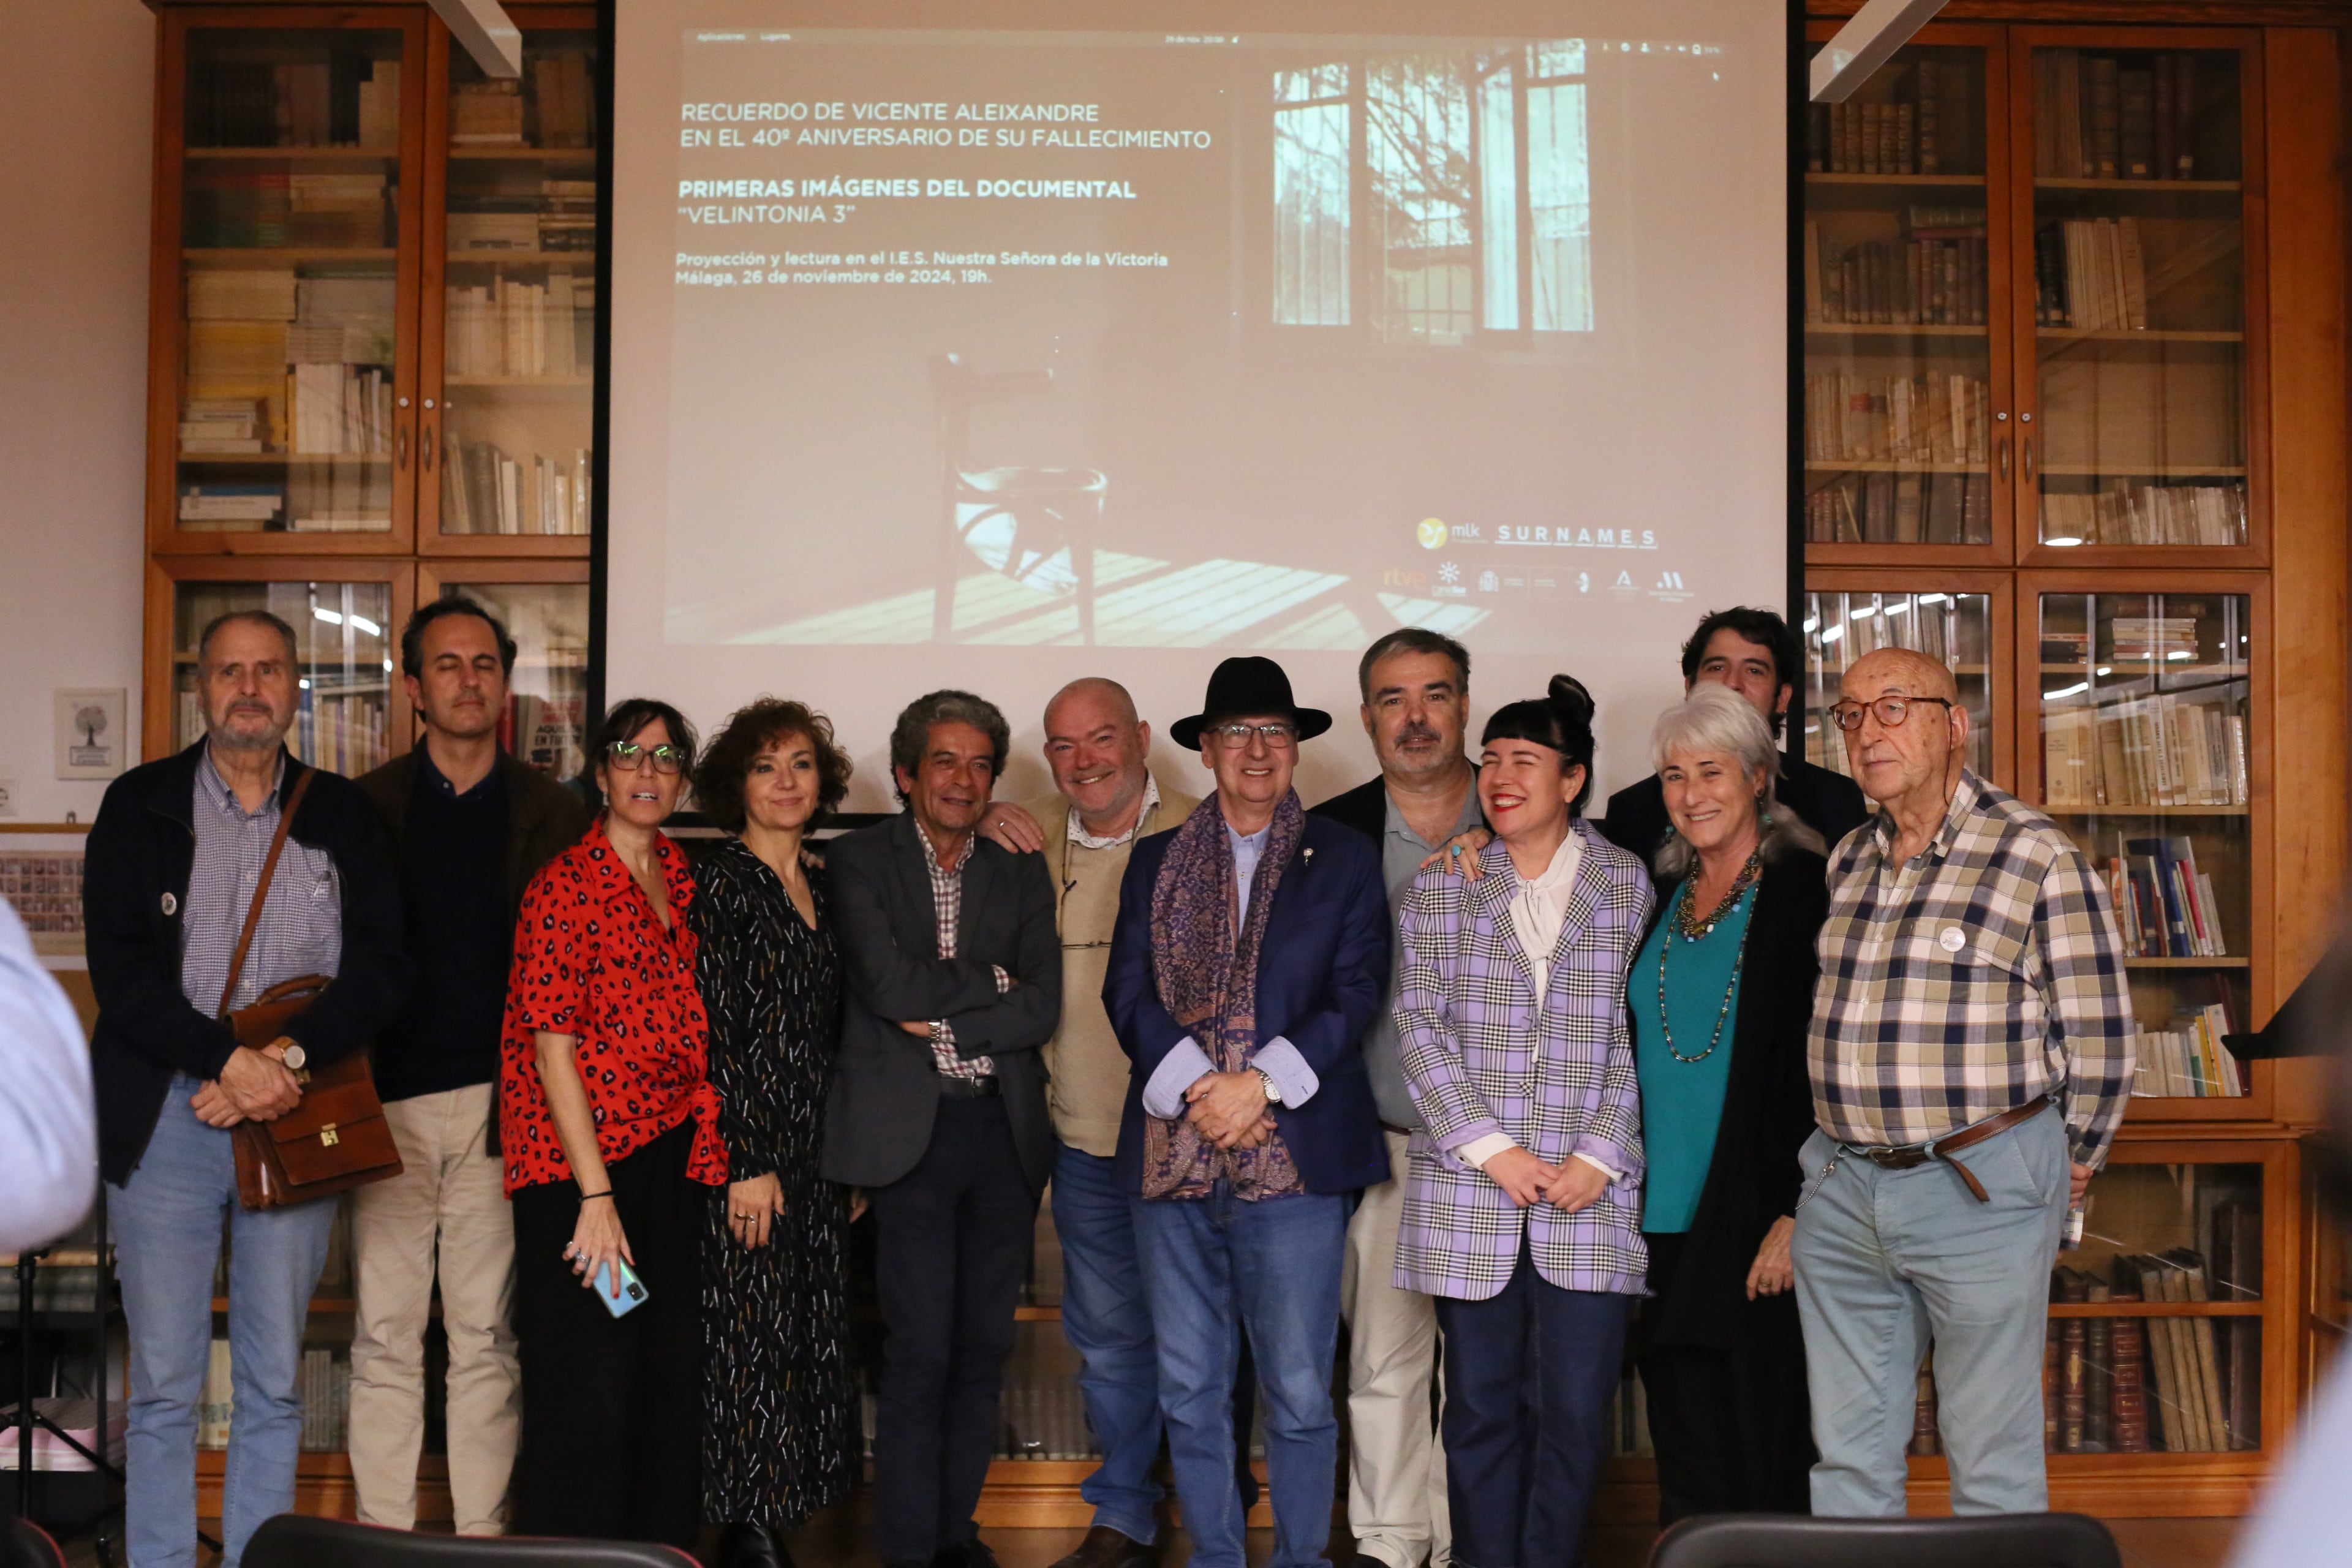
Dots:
pixel 1105 800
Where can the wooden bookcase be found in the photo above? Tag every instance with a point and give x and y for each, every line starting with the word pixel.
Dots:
pixel 2261 332
pixel 2156 358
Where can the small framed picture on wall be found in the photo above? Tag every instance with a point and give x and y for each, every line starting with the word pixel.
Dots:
pixel 92 728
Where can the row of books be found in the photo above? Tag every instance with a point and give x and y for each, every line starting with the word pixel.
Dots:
pixel 510 328
pixel 2167 906
pixel 1905 508
pixel 2097 117
pixel 2135 1385
pixel 483 490
pixel 244 207
pixel 562 217
pixel 341 409
pixel 553 105
pixel 56 1286
pixel 2090 275
pixel 350 494
pixel 1934 280
pixel 2121 512
pixel 2187 1064
pixel 1945 418
pixel 344 100
pixel 1932 624
pixel 324 1387
pixel 1890 136
pixel 2163 750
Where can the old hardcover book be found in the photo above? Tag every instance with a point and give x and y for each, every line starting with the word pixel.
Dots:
pixel 2191 1266
pixel 2098 1373
pixel 2127 1429
pixel 2071 1408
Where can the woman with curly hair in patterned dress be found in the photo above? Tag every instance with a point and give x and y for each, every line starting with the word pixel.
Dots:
pixel 780 1393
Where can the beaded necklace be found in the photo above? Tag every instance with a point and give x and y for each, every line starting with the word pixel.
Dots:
pixel 1683 922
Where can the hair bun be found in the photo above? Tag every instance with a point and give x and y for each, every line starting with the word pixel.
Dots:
pixel 1567 694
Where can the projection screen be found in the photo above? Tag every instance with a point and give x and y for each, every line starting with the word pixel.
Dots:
pixel 993 356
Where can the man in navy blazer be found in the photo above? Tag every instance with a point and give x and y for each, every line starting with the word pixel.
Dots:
pixel 1250 954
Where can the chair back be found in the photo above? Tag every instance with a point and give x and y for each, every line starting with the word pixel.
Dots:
pixel 1794 1541
pixel 299 1541
pixel 30 1546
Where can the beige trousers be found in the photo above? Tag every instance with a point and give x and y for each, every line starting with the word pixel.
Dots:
pixel 448 1192
pixel 1396 1468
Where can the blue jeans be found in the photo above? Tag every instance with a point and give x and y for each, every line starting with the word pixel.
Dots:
pixel 167 1233
pixel 1212 1266
pixel 1528 1373
pixel 1887 1260
pixel 1108 1323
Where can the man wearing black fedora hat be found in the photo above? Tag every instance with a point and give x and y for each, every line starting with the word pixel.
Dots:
pixel 1250 954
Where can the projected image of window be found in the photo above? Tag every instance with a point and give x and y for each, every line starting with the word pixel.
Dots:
pixel 1310 197
pixel 1477 190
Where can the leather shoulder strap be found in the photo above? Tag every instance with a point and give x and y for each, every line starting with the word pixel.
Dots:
pixel 261 890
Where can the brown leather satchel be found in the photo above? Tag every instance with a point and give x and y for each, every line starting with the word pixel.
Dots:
pixel 337 1138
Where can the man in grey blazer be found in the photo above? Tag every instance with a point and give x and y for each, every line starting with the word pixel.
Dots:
pixel 938 1109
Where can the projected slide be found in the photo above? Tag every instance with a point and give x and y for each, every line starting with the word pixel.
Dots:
pixel 1008 341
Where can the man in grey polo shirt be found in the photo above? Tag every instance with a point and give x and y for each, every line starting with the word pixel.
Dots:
pixel 1415 687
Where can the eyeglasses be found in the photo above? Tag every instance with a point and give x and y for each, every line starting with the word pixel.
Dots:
pixel 630 757
pixel 1237 736
pixel 1891 711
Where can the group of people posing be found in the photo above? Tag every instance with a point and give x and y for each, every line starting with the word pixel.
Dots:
pixel 1756 1080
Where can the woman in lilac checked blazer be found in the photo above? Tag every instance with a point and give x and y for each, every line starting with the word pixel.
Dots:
pixel 1522 1216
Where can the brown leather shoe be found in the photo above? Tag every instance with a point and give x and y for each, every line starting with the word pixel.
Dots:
pixel 1107 1548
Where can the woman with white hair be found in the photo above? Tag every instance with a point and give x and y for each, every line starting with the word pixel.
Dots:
pixel 1720 998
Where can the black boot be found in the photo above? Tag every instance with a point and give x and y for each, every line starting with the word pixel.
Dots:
pixel 752 1546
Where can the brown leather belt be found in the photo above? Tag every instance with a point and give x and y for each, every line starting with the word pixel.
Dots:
pixel 1910 1156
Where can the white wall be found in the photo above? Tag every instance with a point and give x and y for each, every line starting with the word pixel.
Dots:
pixel 77 91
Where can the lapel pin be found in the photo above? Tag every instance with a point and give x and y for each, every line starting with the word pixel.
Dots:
pixel 1308 855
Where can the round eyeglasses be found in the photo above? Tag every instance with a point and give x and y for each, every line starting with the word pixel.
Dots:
pixel 1891 711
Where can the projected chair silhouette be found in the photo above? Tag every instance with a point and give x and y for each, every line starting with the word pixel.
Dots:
pixel 1049 509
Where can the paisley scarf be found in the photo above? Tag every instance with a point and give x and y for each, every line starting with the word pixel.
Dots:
pixel 1207 974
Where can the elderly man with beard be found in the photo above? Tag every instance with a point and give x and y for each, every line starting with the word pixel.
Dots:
pixel 1416 696
pixel 173 864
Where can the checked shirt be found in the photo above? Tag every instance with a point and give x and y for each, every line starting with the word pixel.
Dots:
pixel 1984 972
pixel 947 903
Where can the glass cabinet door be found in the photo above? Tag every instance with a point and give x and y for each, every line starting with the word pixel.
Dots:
pixel 1903 289
pixel 2137 434
pixel 517 297
pixel 289 381
pixel 344 635
pixel 1954 628
pixel 547 695
pixel 2145 749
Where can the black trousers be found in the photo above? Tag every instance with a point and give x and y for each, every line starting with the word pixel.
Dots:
pixel 612 1431
pixel 1732 1428
pixel 952 1244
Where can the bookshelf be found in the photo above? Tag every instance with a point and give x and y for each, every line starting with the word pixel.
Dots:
pixel 2162 593
pixel 374 337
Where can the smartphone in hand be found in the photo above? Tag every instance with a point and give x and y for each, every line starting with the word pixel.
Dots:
pixel 632 1293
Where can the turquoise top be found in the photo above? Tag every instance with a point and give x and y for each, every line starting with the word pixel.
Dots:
pixel 1682 1101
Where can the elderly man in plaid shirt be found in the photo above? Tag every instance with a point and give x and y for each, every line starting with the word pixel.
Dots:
pixel 1971 1056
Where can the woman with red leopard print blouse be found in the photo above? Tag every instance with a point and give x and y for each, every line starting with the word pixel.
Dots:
pixel 610 1129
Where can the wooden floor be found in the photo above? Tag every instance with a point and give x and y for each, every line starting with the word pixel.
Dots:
pixel 2145 1543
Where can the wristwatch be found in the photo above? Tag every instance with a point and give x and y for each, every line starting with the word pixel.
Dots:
pixel 294 1057
pixel 1273 1090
